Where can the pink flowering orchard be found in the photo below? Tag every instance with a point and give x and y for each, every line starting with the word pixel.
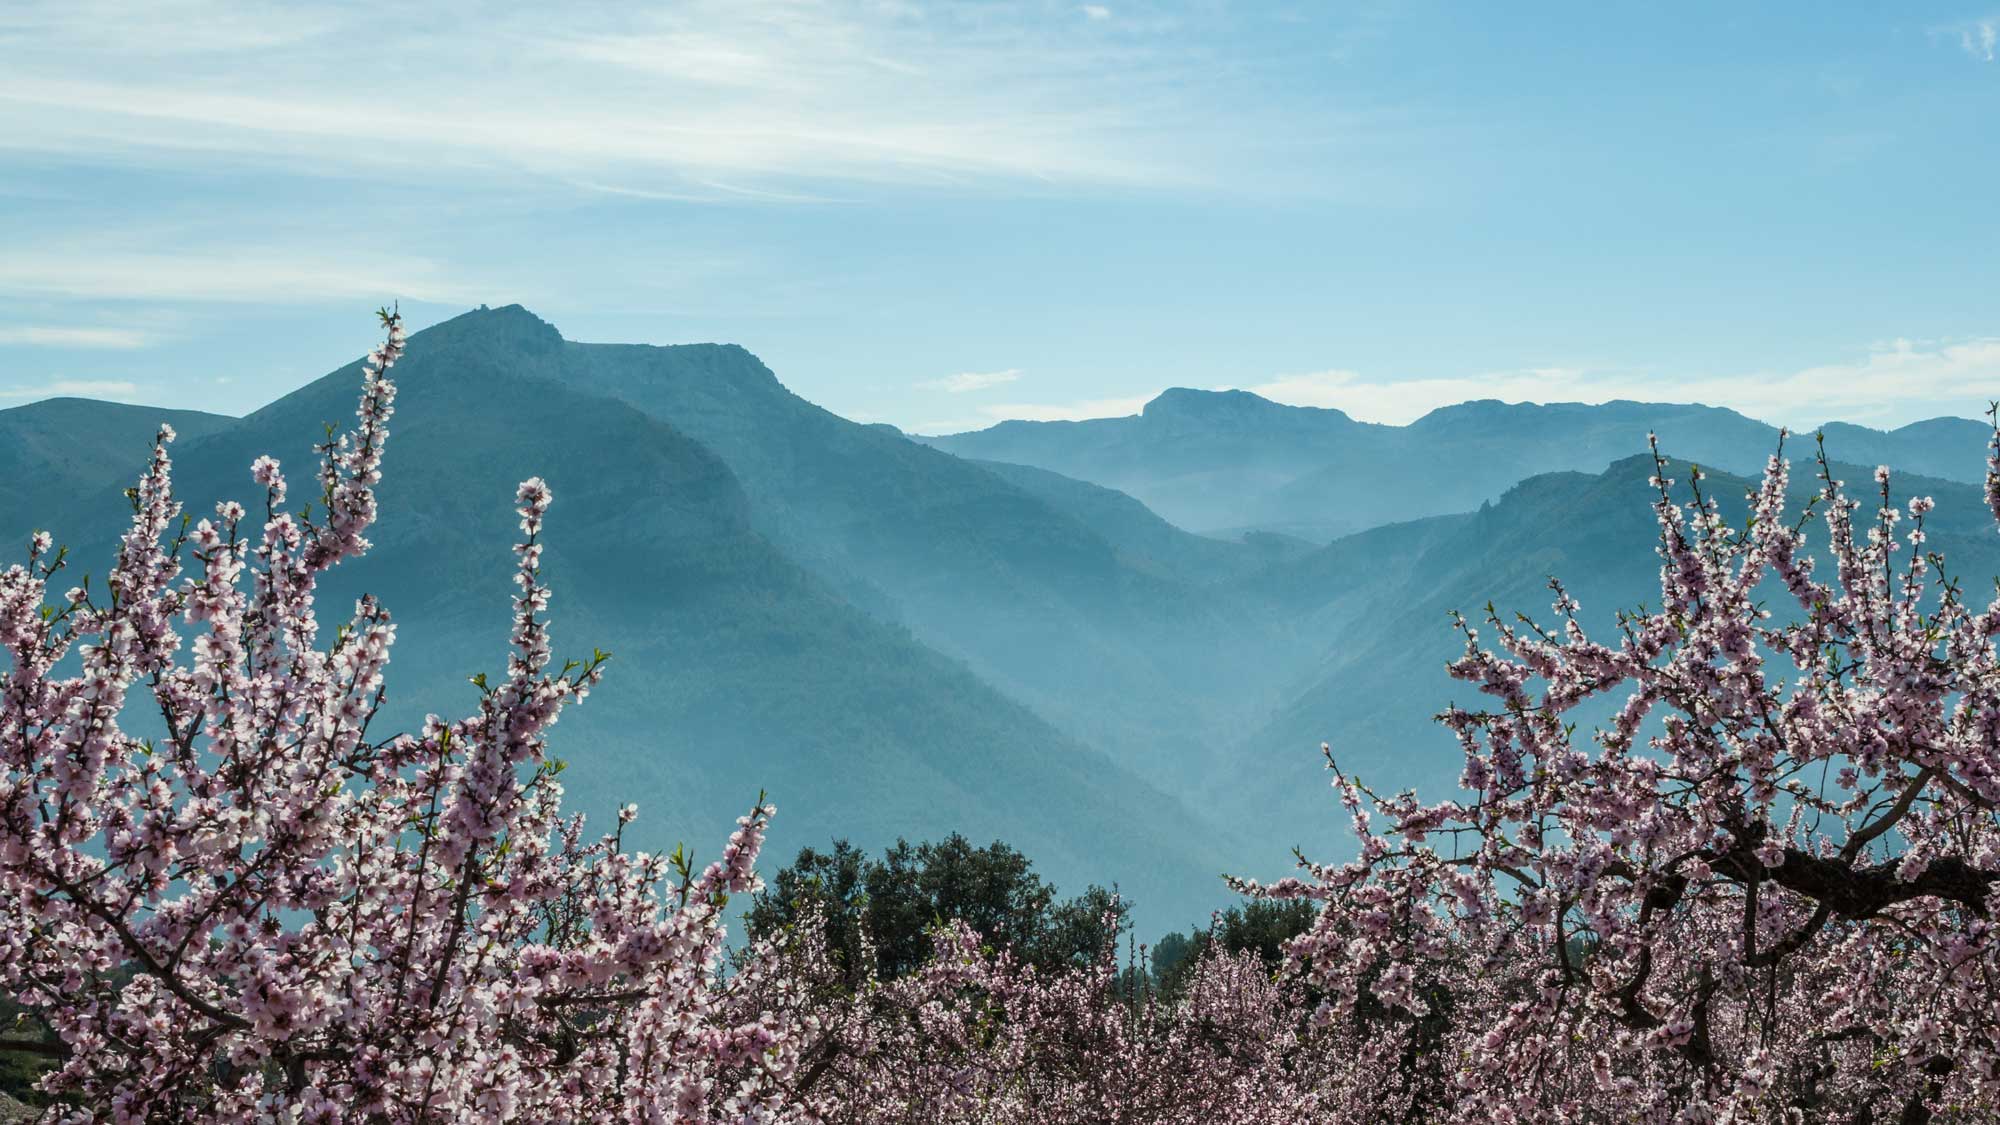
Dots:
pixel 1761 890
pixel 269 911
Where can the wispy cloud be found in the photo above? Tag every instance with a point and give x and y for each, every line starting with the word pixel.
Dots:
pixel 260 275
pixel 1900 381
pixel 1041 412
pixel 44 336
pixel 1980 38
pixel 117 390
pixel 966 382
pixel 163 27
pixel 692 99
pixel 1068 411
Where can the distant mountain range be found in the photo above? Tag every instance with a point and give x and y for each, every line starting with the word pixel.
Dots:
pixel 1382 600
pixel 1226 461
pixel 1018 633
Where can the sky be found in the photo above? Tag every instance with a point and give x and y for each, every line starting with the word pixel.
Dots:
pixel 941 215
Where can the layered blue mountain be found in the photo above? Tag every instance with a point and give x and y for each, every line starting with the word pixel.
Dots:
pixel 1207 461
pixel 61 448
pixel 1019 634
pixel 1095 626
pixel 1384 600
pixel 1225 461
pixel 735 667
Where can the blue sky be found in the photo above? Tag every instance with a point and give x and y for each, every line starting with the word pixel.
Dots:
pixel 939 215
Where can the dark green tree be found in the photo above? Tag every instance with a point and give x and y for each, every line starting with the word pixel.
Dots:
pixel 897 900
pixel 1262 926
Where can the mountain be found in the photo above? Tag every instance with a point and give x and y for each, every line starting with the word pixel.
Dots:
pixel 1119 646
pixel 735 668
pixel 1383 598
pixel 1013 633
pixel 66 446
pixel 1937 446
pixel 1142 538
pixel 1204 460
pixel 1210 460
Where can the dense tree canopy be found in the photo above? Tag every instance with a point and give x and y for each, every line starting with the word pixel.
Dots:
pixel 879 915
pixel 1260 926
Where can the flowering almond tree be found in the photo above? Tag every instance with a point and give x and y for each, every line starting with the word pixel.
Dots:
pixel 978 1035
pixel 266 911
pixel 1763 890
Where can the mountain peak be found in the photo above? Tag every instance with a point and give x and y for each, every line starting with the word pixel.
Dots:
pixel 1188 403
pixel 1945 427
pixel 509 326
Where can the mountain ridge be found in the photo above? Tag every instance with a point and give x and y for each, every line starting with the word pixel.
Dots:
pixel 735 668
pixel 912 640
pixel 1317 472
pixel 1384 598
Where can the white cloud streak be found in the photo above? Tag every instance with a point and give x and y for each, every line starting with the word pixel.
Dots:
pixel 1068 411
pixel 1040 412
pixel 675 100
pixel 966 382
pixel 116 390
pixel 44 336
pixel 261 276
pixel 1981 38
pixel 1900 382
